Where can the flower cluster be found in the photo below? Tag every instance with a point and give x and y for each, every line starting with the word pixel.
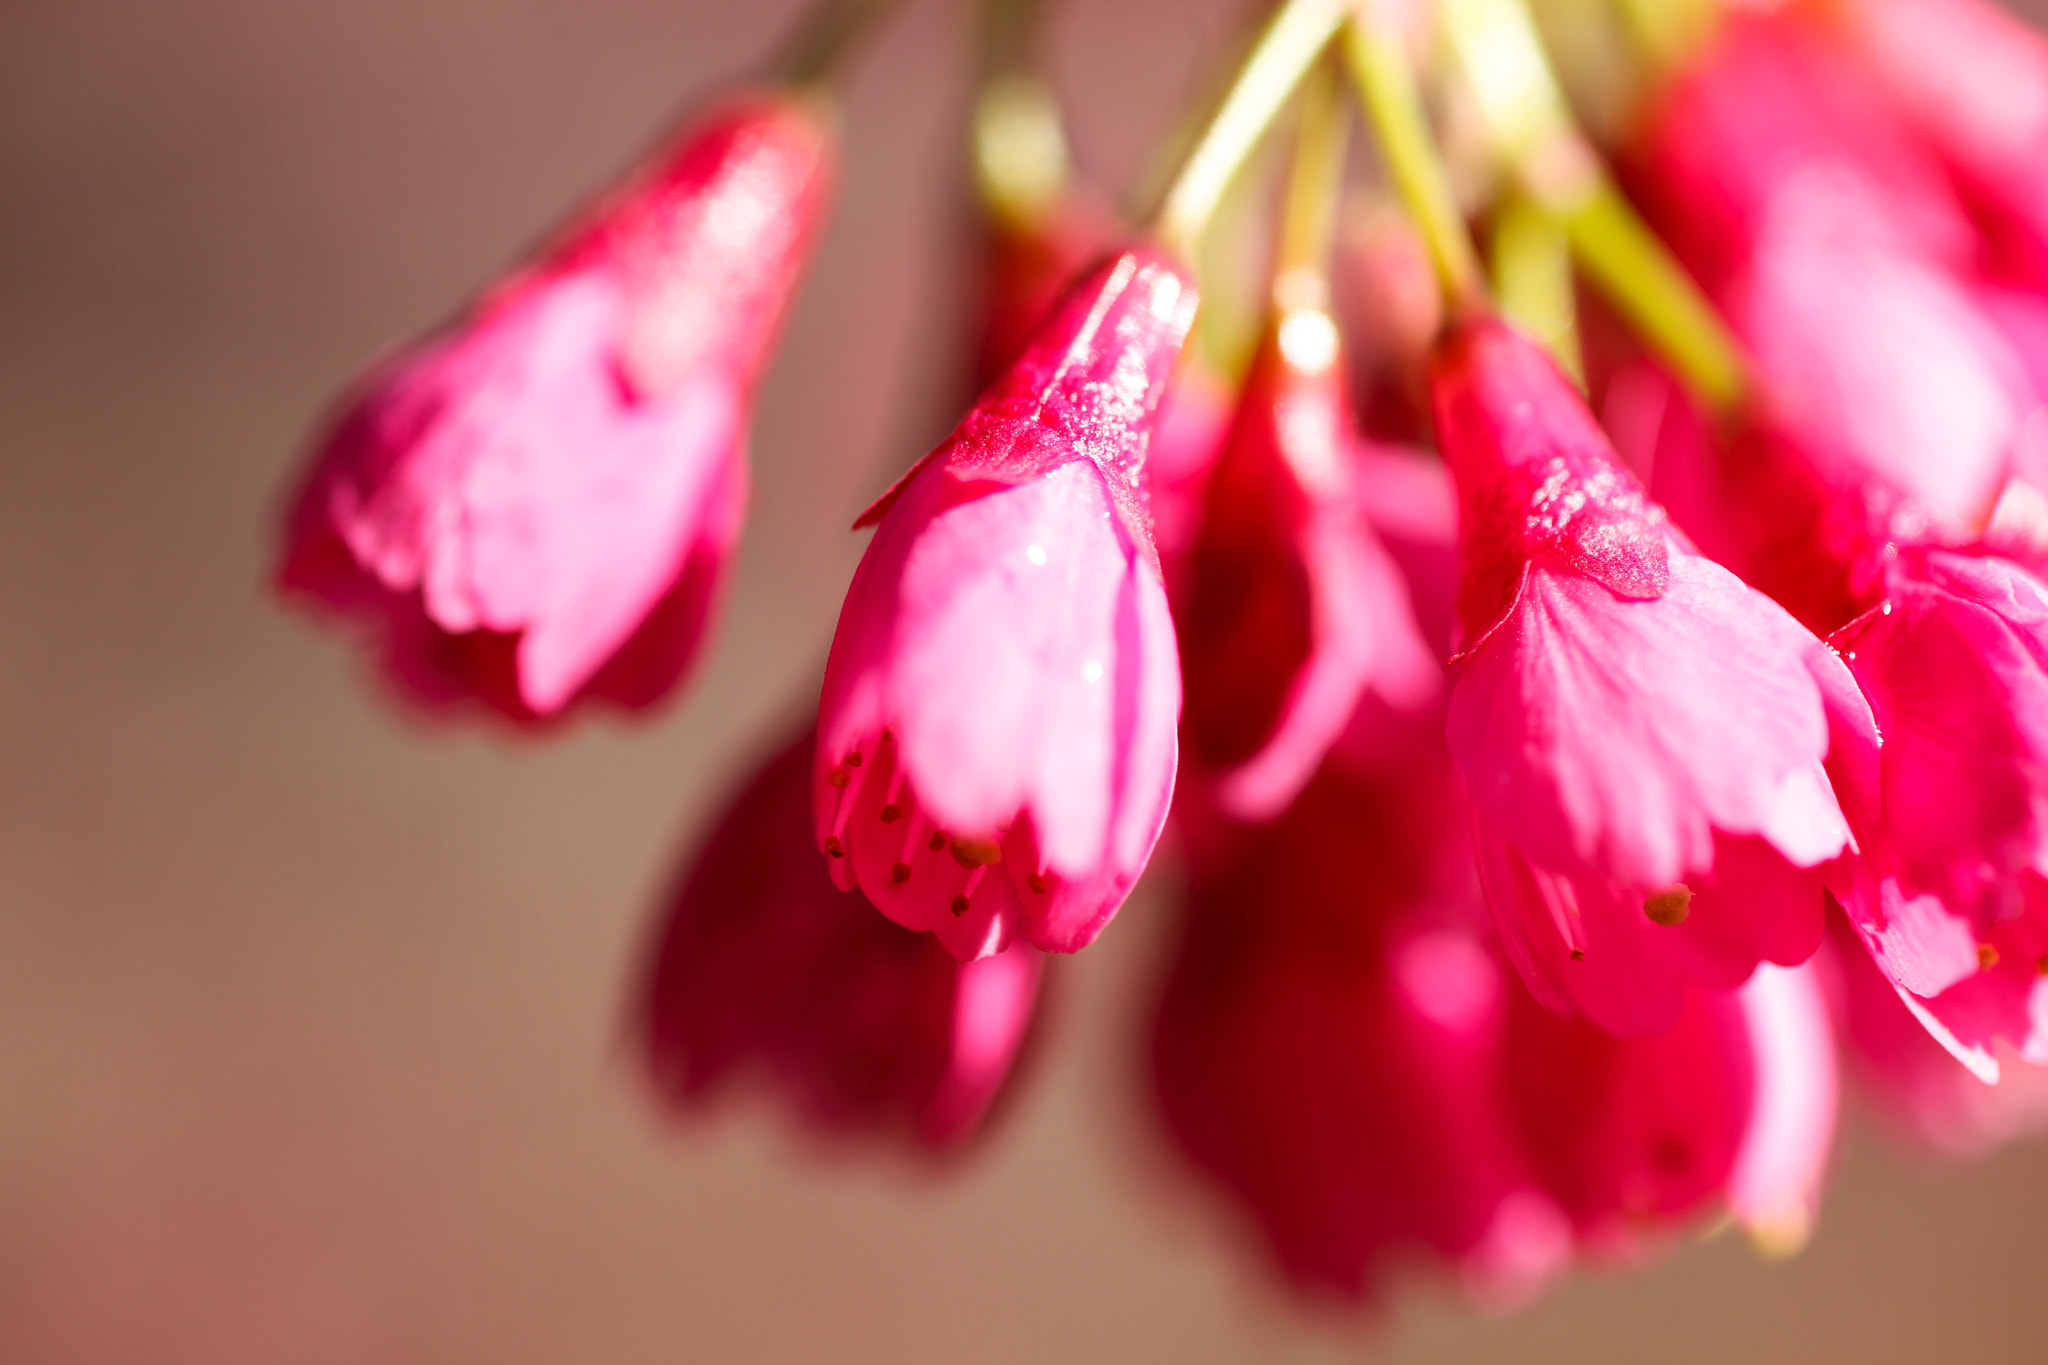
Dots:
pixel 1590 682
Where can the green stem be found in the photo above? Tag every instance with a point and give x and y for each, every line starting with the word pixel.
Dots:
pixel 1636 272
pixel 1315 178
pixel 1532 278
pixel 1532 133
pixel 1290 44
pixel 1020 149
pixel 1393 106
pixel 1009 35
pixel 825 38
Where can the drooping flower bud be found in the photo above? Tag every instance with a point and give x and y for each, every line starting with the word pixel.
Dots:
pixel 763 970
pixel 1642 736
pixel 996 735
pixel 536 505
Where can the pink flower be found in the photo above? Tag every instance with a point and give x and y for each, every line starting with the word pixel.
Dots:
pixel 1892 399
pixel 536 505
pixel 1287 605
pixel 996 735
pixel 1974 80
pixel 1340 1047
pixel 1952 901
pixel 1735 1102
pixel 764 970
pixel 1327 1047
pixel 1744 496
pixel 1642 736
pixel 1916 1083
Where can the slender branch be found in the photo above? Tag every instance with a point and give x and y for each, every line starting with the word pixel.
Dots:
pixel 1315 178
pixel 1009 36
pixel 1627 262
pixel 825 38
pixel 1291 42
pixel 1020 145
pixel 1532 278
pixel 1020 148
pixel 1533 134
pixel 1393 106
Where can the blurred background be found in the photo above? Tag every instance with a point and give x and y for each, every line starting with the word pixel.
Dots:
pixel 310 1019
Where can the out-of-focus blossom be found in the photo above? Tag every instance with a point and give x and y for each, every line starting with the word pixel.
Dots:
pixel 1642 736
pixel 1340 1047
pixel 996 735
pixel 536 505
pixel 1734 1103
pixel 1892 401
pixel 1390 308
pixel 765 972
pixel 1953 902
pixel 1917 1085
pixel 1974 81
pixel 1328 1044
pixel 1287 604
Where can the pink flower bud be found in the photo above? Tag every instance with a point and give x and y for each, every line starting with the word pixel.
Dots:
pixel 996 734
pixel 1287 605
pixel 1642 736
pixel 536 505
pixel 764 969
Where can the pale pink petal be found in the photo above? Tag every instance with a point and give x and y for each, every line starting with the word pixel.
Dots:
pixel 1887 368
pixel 1585 946
pixel 1774 1190
pixel 1616 737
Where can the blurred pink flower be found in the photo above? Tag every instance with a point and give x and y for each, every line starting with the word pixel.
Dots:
pixel 1974 81
pixel 1734 1103
pixel 1003 689
pixel 1642 737
pixel 1341 1048
pixel 1916 1083
pixel 1287 605
pixel 763 970
pixel 1892 397
pixel 537 504
pixel 1952 901
pixel 1327 1045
